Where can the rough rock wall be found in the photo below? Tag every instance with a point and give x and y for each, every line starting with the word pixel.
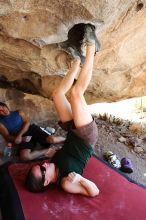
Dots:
pixel 37 108
pixel 31 61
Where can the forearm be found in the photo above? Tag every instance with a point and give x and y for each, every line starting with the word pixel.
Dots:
pixel 10 138
pixel 5 134
pixel 23 129
pixel 26 154
pixel 55 139
pixel 75 183
pixel 89 186
pixel 35 154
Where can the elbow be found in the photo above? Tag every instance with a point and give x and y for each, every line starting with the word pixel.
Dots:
pixel 94 193
pixel 51 139
pixel 28 124
pixel 55 93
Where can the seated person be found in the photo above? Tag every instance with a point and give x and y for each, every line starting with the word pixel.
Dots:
pixel 67 165
pixel 16 128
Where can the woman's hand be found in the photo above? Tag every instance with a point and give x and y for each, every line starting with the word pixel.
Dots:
pixel 74 177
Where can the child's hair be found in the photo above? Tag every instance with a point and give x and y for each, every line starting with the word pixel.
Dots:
pixel 3 104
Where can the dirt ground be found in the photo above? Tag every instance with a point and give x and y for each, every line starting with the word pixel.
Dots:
pixel 109 135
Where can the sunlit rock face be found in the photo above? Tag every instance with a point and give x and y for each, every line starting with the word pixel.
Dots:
pixel 31 61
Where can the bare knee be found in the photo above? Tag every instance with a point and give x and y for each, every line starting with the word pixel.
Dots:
pixel 55 139
pixel 25 154
pixel 76 93
pixel 51 139
pixel 56 93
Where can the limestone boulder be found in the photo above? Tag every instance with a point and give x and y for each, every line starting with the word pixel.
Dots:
pixel 31 62
pixel 39 110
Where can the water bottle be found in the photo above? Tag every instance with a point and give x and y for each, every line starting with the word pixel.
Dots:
pixel 8 151
pixel 50 130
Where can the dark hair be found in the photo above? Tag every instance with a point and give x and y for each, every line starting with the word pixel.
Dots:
pixel 3 104
pixel 34 184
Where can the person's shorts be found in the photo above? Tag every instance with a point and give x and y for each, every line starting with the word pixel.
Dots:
pixel 88 133
pixel 37 136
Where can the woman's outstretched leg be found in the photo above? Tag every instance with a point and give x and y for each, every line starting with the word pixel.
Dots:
pixel 81 114
pixel 62 105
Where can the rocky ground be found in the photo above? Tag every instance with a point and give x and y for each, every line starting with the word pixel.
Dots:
pixel 125 141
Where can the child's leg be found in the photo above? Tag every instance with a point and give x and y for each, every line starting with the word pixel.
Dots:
pixel 80 112
pixel 62 105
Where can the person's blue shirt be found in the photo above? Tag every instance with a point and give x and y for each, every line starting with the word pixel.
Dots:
pixel 13 122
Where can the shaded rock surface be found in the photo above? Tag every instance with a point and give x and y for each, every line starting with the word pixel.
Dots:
pixel 39 109
pixel 31 61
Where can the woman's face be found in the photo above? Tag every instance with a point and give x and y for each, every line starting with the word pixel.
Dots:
pixel 46 171
pixel 4 111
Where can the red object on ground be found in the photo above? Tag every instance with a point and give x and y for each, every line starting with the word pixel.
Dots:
pixel 119 199
pixel 9 145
